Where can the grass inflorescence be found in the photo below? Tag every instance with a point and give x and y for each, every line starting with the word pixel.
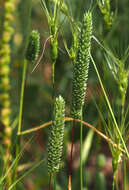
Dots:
pixel 81 66
pixel 56 136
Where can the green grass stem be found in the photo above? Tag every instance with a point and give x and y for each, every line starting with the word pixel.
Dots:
pixel 22 95
pixel 125 173
pixel 53 81
pixel 81 162
pixel 109 106
pixel 20 117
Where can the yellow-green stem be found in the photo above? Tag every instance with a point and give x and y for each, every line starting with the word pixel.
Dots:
pixel 125 173
pixel 53 81
pixel 22 95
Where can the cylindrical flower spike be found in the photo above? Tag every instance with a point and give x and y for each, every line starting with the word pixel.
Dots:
pixel 55 141
pixel 33 47
pixel 5 102
pixel 6 34
pixel 80 70
pixel 105 9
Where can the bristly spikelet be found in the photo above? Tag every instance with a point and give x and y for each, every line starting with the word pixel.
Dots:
pixel 55 140
pixel 33 46
pixel 105 9
pixel 80 70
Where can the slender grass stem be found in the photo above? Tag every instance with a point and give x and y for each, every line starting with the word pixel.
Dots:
pixel 53 81
pixel 124 159
pixel 50 181
pixel 22 95
pixel 125 173
pixel 71 156
pixel 117 184
pixel 54 181
pixel 113 185
pixel 80 5
pixel 18 140
pixel 109 106
pixel 81 165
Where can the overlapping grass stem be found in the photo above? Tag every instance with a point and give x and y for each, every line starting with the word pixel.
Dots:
pixel 56 136
pixel 80 69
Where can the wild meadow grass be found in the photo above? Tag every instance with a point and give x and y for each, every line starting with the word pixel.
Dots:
pixel 64 66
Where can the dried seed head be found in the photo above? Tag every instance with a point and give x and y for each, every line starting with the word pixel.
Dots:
pixel 33 46
pixel 80 70
pixel 55 141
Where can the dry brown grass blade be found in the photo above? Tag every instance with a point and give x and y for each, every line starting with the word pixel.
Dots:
pixel 77 120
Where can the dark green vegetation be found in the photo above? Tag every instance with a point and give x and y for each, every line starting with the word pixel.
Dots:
pixel 64 58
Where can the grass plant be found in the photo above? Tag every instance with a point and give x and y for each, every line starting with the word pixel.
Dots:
pixel 80 75
pixel 67 53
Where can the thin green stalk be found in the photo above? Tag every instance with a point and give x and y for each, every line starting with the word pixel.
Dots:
pixel 20 116
pixel 53 81
pixel 113 185
pixel 124 159
pixel 123 116
pixel 80 5
pixel 54 181
pixel 22 95
pixel 109 106
pixel 71 156
pixel 81 163
pixel 125 173
pixel 50 181
pixel 117 185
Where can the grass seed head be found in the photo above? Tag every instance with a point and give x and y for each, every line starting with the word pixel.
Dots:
pixel 56 136
pixel 33 46
pixel 80 70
